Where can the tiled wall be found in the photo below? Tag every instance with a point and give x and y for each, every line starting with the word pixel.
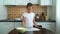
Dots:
pixel 17 11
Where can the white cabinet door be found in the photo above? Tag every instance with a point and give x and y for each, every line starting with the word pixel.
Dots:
pixel 22 2
pixel 34 1
pixel 48 25
pixel 43 24
pixel 17 24
pixel 46 2
pixel 9 2
pixel 1 2
pixel 6 27
pixel 52 27
pixel 3 12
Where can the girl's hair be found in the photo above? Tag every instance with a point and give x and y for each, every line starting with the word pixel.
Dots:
pixel 29 4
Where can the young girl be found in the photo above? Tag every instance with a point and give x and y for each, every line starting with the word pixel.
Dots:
pixel 28 17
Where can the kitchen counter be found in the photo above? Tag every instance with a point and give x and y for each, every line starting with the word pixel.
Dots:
pixel 21 21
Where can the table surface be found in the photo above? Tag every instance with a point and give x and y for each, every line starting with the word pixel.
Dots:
pixel 30 32
pixel 14 31
pixel 28 28
pixel 42 31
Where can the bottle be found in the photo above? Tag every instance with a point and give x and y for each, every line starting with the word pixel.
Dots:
pixel 37 17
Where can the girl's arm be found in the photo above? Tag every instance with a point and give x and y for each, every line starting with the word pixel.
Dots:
pixel 23 20
pixel 34 22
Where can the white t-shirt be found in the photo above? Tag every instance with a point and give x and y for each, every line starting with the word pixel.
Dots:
pixel 29 19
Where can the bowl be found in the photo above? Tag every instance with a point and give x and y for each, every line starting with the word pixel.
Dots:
pixel 18 19
pixel 21 29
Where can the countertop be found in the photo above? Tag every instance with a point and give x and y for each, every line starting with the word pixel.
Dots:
pixel 21 21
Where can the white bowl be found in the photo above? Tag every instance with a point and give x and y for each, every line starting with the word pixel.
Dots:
pixel 18 19
pixel 21 30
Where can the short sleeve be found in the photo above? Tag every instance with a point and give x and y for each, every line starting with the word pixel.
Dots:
pixel 23 14
pixel 34 14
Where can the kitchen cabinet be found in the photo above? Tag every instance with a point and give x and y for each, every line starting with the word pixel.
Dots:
pixel 34 1
pixel 48 25
pixel 9 2
pixel 22 2
pixel 46 2
pixel 17 24
pixel 3 12
pixel 6 27
pixel 1 2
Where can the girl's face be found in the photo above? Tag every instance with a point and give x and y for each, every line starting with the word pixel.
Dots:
pixel 29 8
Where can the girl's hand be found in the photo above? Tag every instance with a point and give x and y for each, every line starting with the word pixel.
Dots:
pixel 36 26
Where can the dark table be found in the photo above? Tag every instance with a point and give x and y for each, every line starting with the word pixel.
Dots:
pixel 42 31
pixel 30 32
pixel 14 31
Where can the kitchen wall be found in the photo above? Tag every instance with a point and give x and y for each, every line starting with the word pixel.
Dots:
pixel 17 11
pixel 57 16
pixel 3 12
